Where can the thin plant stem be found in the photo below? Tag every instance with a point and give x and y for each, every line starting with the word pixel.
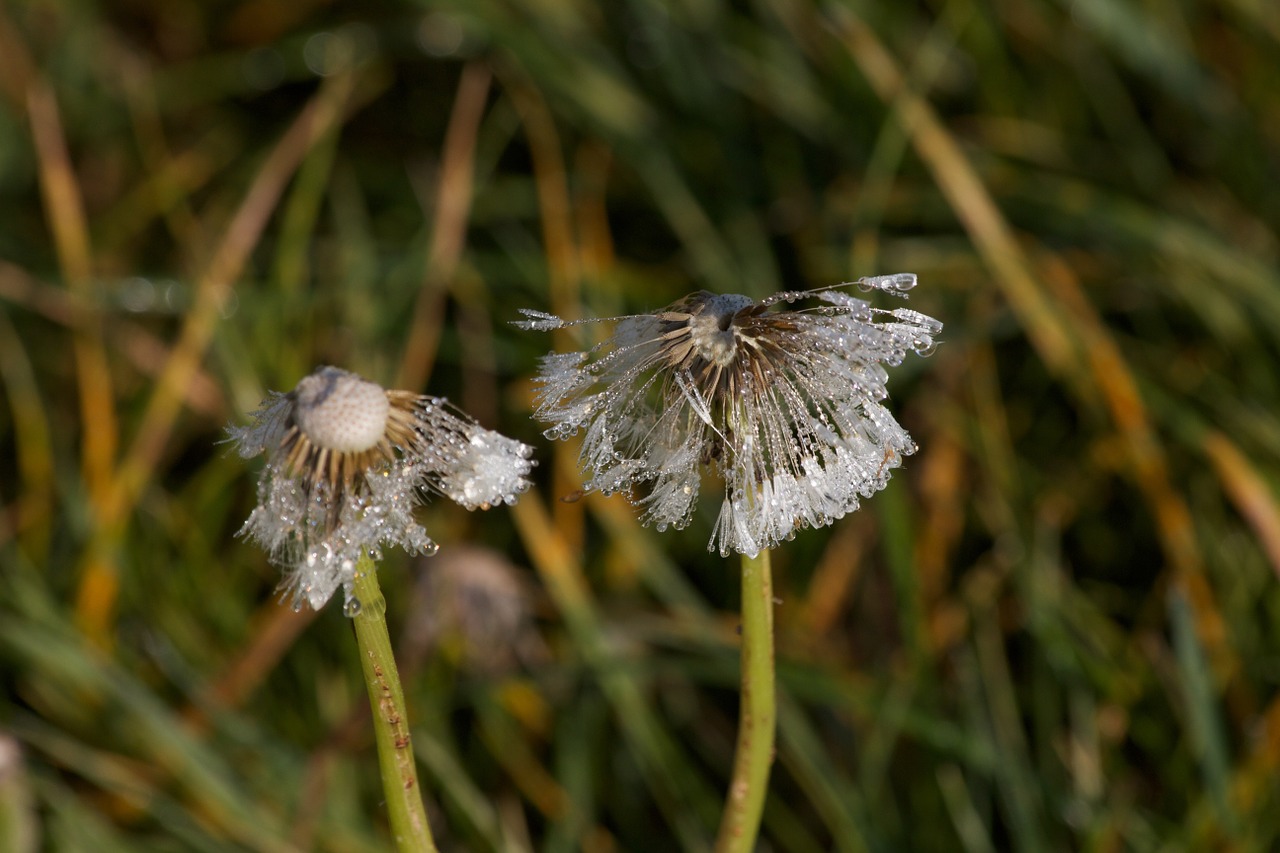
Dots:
pixel 757 713
pixel 390 721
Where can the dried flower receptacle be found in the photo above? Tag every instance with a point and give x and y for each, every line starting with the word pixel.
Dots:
pixel 784 405
pixel 347 464
pixel 472 606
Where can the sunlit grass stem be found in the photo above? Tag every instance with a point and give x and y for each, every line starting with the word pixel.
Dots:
pixel 407 815
pixel 757 713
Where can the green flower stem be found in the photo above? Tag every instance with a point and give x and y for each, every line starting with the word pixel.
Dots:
pixel 390 720
pixel 757 713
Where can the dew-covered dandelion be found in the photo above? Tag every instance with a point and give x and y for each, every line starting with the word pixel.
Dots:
pixel 783 403
pixel 347 463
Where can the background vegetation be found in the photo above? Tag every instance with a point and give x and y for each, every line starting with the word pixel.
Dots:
pixel 1056 630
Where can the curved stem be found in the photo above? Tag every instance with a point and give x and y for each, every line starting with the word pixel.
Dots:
pixel 390 721
pixel 757 714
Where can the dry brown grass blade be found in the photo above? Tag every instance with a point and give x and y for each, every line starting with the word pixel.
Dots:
pixel 834 578
pixel 54 304
pixel 944 474
pixel 556 214
pixel 592 166
pixel 96 596
pixel 1061 324
pixel 60 188
pixel 555 207
pixel 64 210
pixel 1253 498
pixel 966 193
pixel 534 781
pixel 595 257
pixel 449 233
pixel 551 556
pixel 1115 382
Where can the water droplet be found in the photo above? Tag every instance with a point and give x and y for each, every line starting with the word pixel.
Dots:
pixel 895 283
pixel 351 607
pixel 430 549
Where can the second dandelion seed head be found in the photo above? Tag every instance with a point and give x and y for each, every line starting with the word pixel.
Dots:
pixel 782 404
pixel 347 464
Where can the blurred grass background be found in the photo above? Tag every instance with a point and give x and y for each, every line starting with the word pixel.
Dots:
pixel 1054 631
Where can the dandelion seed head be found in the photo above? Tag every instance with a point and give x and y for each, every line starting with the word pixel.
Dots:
pixel 782 404
pixel 347 465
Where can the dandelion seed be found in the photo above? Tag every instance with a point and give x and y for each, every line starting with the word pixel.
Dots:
pixel 347 464
pixel 783 404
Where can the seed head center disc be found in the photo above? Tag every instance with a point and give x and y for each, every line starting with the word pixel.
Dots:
pixel 340 411
pixel 712 329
